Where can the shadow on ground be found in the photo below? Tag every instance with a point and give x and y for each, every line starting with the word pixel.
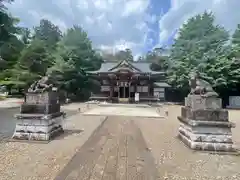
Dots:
pixel 68 132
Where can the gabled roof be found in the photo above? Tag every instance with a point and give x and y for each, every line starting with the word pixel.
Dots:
pixel 143 67
pixel 124 65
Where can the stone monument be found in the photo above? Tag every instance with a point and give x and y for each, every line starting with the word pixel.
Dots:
pixel 204 125
pixel 40 118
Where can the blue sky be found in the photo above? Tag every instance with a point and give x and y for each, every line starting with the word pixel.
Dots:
pixel 117 24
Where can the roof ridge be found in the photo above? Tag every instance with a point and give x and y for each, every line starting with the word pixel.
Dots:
pixel 118 61
pixel 124 61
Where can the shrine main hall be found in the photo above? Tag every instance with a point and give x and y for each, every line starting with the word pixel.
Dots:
pixel 129 82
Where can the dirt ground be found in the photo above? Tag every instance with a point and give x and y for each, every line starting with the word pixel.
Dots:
pixel 31 161
pixel 176 161
pixel 122 148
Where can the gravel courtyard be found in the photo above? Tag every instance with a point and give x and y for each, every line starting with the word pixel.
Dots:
pixel 122 148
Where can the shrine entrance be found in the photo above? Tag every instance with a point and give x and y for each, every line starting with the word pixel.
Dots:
pixel 123 91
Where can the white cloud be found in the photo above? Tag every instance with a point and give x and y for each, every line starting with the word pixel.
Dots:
pixel 109 23
pixel 135 7
pixel 120 45
pixel 82 4
pixel 226 12
pixel 101 4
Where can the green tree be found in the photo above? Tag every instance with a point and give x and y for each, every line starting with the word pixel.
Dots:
pixel 236 36
pixel 47 32
pixel 73 56
pixel 10 45
pixel 7 23
pixel 35 58
pixel 10 50
pixel 124 55
pixel 80 47
pixel 31 64
pixel 159 61
pixel 25 36
pixel 201 46
pixel 234 61
pixel 236 43
pixel 118 56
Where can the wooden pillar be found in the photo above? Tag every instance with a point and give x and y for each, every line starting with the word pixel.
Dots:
pixel 148 89
pixel 111 90
pixel 151 88
pixel 124 92
pixel 129 89
pixel 118 89
pixel 164 99
pixel 135 87
pixel 149 85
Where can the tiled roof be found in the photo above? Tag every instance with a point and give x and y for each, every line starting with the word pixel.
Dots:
pixel 142 66
pixel 106 66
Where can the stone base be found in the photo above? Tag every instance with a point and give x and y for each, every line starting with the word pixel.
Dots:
pixel 207 146
pixel 205 126
pixel 38 127
pixel 208 138
pixel 23 136
pixel 206 141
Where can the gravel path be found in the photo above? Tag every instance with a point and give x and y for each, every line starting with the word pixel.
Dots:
pixel 22 161
pixel 11 103
pixel 116 151
pixel 176 162
pixel 7 121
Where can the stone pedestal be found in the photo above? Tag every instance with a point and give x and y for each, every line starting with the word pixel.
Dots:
pixel 40 118
pixel 204 125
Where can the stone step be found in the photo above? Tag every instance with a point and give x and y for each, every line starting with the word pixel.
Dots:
pixel 214 138
pixel 207 146
pixel 207 129
pixel 19 136
pixel 191 122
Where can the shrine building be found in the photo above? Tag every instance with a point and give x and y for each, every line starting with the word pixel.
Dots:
pixel 129 82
